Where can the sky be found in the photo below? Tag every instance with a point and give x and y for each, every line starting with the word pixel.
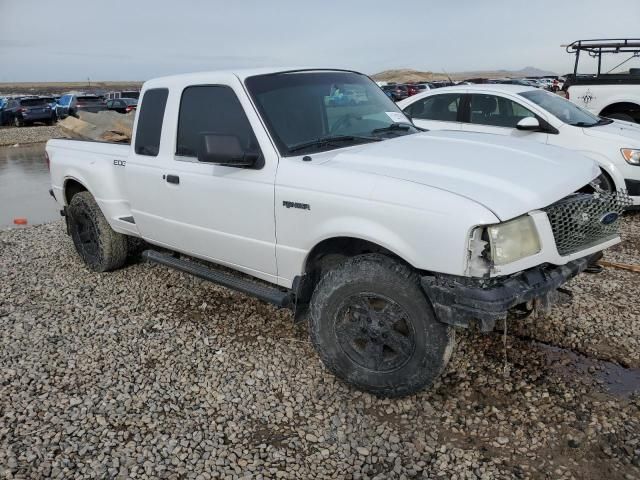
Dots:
pixel 72 40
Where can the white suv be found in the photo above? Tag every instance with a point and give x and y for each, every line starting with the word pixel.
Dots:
pixel 534 114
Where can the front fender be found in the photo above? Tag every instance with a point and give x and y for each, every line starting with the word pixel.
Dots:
pixel 608 166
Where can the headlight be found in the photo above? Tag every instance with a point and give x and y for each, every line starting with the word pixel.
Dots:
pixel 513 240
pixel 631 155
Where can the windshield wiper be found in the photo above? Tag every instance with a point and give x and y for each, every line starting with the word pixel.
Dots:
pixel 583 124
pixel 602 121
pixel 331 139
pixel 394 127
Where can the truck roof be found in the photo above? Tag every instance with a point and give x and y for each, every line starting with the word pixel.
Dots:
pixel 242 74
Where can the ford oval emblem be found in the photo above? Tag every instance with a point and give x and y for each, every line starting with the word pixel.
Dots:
pixel 609 218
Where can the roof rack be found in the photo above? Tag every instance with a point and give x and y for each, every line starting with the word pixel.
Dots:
pixel 598 46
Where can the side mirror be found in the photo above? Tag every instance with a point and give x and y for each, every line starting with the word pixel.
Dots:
pixel 528 124
pixel 225 150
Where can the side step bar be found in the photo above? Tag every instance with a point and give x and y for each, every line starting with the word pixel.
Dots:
pixel 262 292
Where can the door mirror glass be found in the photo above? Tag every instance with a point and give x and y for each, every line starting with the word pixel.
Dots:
pixel 528 124
pixel 225 150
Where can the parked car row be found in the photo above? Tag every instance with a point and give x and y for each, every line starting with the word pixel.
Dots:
pixel 400 91
pixel 550 83
pixel 27 110
pixel 22 111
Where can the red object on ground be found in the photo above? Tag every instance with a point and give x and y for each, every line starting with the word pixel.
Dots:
pixel 20 221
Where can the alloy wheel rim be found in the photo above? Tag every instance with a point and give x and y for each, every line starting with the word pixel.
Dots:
pixel 375 332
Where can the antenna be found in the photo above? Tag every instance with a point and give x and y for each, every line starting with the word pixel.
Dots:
pixel 445 72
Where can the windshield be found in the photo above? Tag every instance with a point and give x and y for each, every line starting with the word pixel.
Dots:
pixel 307 111
pixel 562 108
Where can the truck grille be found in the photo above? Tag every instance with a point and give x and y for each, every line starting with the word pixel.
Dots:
pixel 583 220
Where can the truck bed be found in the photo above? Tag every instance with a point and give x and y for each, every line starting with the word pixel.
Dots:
pixel 99 167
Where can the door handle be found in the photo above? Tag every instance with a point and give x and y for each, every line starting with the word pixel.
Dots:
pixel 175 179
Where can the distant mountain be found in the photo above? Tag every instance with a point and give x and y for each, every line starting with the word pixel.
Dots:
pixel 410 75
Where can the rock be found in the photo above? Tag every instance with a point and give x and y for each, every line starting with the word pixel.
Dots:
pixel 362 451
pixel 108 375
pixel 106 125
pixel 573 443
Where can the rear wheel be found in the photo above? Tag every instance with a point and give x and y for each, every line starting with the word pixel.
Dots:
pixel 374 328
pixel 100 247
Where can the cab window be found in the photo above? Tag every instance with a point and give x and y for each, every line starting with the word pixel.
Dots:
pixel 150 122
pixel 211 109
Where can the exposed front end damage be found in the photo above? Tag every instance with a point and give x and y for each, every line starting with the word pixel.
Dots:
pixel 460 301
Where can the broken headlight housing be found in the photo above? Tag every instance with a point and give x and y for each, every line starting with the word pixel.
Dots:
pixel 513 240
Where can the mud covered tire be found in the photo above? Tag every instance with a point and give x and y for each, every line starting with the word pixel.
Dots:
pixel 384 305
pixel 101 248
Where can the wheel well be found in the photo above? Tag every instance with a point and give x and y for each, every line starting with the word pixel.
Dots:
pixel 71 188
pixel 331 252
pixel 609 177
pixel 632 109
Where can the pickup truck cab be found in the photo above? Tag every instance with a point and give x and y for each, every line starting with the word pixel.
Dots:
pixel 389 236
pixel 537 115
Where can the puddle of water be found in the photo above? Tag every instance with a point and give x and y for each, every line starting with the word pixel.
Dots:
pixel 24 186
pixel 617 380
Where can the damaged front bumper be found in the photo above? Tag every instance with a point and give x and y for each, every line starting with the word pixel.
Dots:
pixel 460 301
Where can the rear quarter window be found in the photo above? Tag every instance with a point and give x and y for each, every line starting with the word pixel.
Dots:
pixel 32 102
pixel 150 121
pixel 90 100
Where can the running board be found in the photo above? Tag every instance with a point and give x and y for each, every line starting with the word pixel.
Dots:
pixel 262 292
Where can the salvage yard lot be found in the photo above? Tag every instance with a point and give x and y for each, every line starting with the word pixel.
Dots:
pixel 148 373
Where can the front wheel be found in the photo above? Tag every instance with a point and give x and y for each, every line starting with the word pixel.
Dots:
pixel 18 122
pixel 100 247
pixel 374 328
pixel 604 182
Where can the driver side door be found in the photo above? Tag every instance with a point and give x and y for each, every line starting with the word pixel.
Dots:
pixel 221 213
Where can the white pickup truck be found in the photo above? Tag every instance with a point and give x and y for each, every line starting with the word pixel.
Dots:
pixel 316 184
pixel 613 93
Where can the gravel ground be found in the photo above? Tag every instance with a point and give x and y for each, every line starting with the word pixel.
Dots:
pixel 23 135
pixel 147 373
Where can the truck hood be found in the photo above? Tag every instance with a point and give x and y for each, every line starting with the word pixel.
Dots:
pixel 626 134
pixel 510 177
